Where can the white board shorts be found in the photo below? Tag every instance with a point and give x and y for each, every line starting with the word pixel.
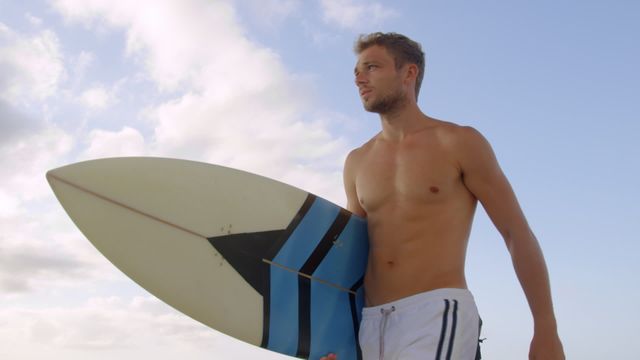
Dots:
pixel 441 324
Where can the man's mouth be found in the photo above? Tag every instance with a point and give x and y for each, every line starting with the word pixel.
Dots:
pixel 364 92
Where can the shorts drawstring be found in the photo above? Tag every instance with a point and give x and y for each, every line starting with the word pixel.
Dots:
pixel 383 324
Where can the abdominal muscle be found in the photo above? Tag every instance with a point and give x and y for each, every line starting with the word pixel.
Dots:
pixel 410 253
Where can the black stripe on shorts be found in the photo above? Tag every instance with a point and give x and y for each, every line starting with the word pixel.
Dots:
pixel 453 328
pixel 443 332
pixel 448 309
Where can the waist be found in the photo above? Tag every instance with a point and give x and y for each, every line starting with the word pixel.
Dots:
pixel 413 302
pixel 384 283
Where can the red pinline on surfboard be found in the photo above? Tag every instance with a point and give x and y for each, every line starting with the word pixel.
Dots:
pixel 118 203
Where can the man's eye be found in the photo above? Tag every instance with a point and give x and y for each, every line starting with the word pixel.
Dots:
pixel 371 67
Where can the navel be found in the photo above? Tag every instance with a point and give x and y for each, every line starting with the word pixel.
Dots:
pixel 434 189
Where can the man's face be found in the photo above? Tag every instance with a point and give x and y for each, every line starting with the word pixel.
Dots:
pixel 378 81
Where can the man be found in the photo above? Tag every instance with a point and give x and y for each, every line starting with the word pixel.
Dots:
pixel 418 182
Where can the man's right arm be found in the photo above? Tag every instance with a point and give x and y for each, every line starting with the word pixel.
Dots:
pixel 349 178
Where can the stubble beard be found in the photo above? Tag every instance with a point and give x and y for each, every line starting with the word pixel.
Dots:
pixel 389 103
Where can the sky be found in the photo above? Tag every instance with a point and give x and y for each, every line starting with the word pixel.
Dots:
pixel 267 86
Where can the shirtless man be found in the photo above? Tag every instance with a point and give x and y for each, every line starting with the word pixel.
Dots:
pixel 418 182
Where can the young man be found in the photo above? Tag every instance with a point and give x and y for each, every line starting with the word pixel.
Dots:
pixel 418 182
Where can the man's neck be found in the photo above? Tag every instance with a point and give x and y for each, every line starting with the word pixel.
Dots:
pixel 396 125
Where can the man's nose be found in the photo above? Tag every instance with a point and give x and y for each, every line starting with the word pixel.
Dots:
pixel 360 79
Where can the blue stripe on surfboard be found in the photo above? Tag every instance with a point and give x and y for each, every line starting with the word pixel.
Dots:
pixel 283 324
pixel 283 327
pixel 343 267
pixel 332 333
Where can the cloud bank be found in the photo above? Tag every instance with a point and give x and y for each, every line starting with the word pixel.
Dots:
pixel 233 103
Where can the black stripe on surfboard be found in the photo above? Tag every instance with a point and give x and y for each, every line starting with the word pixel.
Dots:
pixel 354 314
pixel 297 218
pixel 304 284
pixel 266 306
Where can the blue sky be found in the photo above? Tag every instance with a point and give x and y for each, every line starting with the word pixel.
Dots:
pixel 267 86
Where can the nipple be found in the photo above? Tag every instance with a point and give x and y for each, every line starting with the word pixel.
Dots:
pixel 434 189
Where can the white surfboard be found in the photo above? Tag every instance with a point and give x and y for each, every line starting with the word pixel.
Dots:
pixel 254 258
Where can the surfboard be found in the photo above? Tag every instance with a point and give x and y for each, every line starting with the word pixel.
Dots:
pixel 251 257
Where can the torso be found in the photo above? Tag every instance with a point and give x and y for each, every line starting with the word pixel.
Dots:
pixel 419 213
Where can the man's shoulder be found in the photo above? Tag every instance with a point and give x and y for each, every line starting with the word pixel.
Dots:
pixel 467 146
pixel 362 149
pixel 462 144
pixel 353 157
pixel 456 131
pixel 456 135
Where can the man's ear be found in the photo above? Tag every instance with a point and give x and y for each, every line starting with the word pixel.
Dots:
pixel 411 72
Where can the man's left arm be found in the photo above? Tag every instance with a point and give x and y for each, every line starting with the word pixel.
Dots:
pixel 484 178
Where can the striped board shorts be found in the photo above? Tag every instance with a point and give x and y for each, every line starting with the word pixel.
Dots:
pixel 441 324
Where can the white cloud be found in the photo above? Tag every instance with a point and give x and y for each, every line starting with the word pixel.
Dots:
pixel 24 161
pixel 30 69
pixel 80 64
pixel 26 266
pixel 8 204
pixel 235 105
pixel 42 253
pixel 354 14
pixel 126 142
pixel 33 20
pixel 160 34
pixel 13 123
pixel 103 328
pixel 97 97
pixel 31 66
pixel 32 248
pixel 34 251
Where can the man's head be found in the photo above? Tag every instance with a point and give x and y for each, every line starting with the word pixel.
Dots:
pixel 403 50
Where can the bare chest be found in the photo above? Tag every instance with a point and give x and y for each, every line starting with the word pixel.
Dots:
pixel 405 175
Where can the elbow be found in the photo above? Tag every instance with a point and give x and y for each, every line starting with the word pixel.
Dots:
pixel 513 238
pixel 507 236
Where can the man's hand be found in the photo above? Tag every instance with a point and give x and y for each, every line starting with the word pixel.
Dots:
pixel 546 347
pixel 329 357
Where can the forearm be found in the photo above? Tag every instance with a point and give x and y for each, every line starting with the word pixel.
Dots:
pixel 532 273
